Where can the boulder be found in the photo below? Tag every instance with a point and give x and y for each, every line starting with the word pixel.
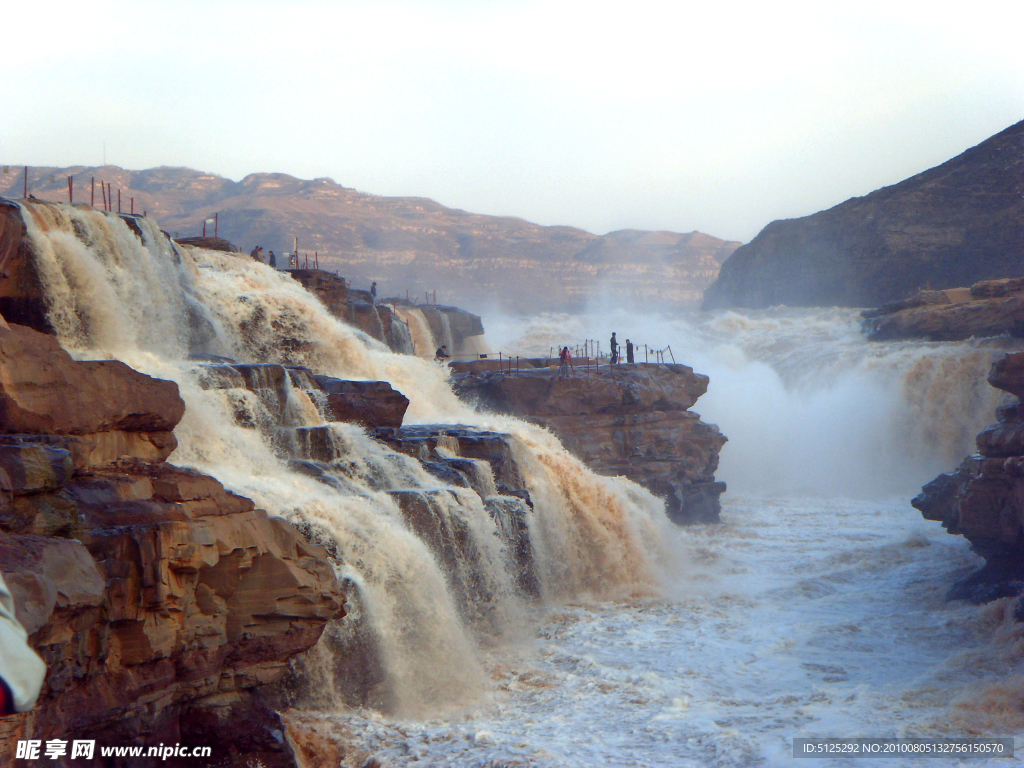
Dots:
pixel 372 403
pixel 44 390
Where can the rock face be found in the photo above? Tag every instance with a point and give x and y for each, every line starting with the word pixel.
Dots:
pixel 631 421
pixel 160 602
pixel 984 499
pixel 987 308
pixel 416 244
pixel 953 225
pixel 356 308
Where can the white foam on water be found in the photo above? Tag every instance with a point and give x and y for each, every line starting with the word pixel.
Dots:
pixel 143 301
pixel 797 618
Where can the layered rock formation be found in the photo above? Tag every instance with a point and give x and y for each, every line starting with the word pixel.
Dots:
pixel 631 420
pixel 953 225
pixel 987 308
pixel 160 602
pixel 984 499
pixel 416 244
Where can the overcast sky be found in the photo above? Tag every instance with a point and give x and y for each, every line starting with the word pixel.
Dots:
pixel 714 116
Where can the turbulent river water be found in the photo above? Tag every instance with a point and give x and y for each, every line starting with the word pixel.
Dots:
pixel 815 609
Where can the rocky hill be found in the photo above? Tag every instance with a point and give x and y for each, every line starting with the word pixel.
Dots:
pixel 405 243
pixel 953 225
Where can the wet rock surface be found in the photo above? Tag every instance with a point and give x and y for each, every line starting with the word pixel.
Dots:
pixel 161 603
pixel 632 420
pixel 983 501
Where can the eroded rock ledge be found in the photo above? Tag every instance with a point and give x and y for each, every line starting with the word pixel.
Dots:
pixel 986 309
pixel 633 420
pixel 160 602
pixel 984 499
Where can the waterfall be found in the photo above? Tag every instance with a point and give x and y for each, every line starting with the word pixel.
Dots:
pixel 423 341
pixel 112 293
pixel 810 406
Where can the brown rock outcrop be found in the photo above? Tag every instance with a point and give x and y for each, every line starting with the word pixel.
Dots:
pixel 988 308
pixel 984 499
pixel 160 602
pixel 373 403
pixel 632 420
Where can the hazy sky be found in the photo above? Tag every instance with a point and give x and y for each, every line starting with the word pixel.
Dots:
pixel 717 116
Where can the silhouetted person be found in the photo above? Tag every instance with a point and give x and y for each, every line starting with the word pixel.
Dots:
pixel 442 353
pixel 564 358
pixel 373 292
pixel 272 260
pixel 629 351
pixel 257 254
pixel 615 349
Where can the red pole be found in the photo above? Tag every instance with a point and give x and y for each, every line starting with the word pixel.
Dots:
pixel 110 197
pixel 204 227
pixel 316 259
pixel 103 189
pixel 119 201
pixel 71 192
pixel 133 206
pixel 92 194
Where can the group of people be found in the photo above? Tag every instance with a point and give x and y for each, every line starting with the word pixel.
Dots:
pixel 257 254
pixel 615 351
pixel 565 356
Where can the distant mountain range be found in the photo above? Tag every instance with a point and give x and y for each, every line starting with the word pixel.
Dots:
pixel 408 243
pixel 954 225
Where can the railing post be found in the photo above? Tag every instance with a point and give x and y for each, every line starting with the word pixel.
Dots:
pixel 25 195
pixel 92 194
pixel 71 192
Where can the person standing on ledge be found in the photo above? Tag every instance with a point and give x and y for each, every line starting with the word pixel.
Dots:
pixel 272 261
pixel 614 349
pixel 257 254
pixel 564 357
pixel 373 292
pixel 442 353
pixel 629 352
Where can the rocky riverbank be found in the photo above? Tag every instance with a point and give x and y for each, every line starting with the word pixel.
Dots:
pixel 984 499
pixel 630 420
pixel 161 603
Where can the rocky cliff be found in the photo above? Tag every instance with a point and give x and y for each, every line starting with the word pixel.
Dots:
pixel 631 420
pixel 953 225
pixel 412 244
pixel 161 603
pixel 984 499
pixel 988 308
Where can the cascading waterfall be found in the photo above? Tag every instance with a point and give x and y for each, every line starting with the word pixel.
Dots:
pixel 810 406
pixel 423 340
pixel 140 299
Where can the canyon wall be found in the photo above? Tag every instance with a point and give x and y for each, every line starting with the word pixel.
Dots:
pixel 953 225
